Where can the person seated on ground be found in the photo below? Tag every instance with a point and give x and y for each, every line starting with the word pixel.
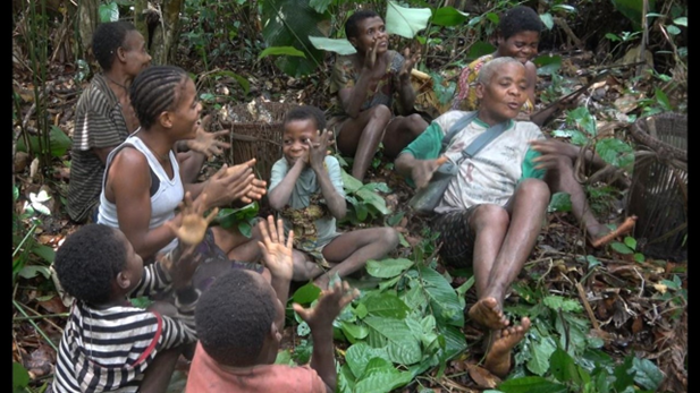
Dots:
pixel 104 118
pixel 107 344
pixel 494 208
pixel 367 83
pixel 306 189
pixel 240 320
pixel 518 37
pixel 142 185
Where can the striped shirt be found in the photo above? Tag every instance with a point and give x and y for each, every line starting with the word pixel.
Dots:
pixel 109 349
pixel 99 123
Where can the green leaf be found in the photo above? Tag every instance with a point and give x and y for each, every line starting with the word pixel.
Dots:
pixel 31 271
pixel 673 30
pixel 547 19
pixel 346 380
pixel 448 16
pixel 302 352
pixel 402 347
pixel 360 311
pixel 245 84
pixel 583 119
pixel 373 199
pixel 556 302
pixel 540 351
pixel 531 384
pixel 479 49
pixel 455 342
pixel 289 23
pixel 358 355
pixel 306 294
pixel 142 302
pixel 109 12
pixel 631 242
pixel 621 248
pixel 350 184
pixel 340 46
pixel 612 37
pixel 632 9
pixel 443 298
pixel 560 202
pixel 624 375
pixel 45 252
pixel 564 7
pixel 662 99
pixel 284 357
pixel 381 377
pixel 281 50
pixel 20 377
pixel 320 6
pixel 354 332
pixel 385 304
pixel 547 65
pixel 682 21
pixel 639 257
pixel 647 374
pixel 613 151
pixel 388 268
pixel 406 22
pixel 60 142
pixel 246 229
pixel 563 367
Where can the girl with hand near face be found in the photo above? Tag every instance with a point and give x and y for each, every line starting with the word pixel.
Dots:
pixel 367 83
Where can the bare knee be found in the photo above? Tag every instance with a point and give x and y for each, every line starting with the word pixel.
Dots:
pixel 380 113
pixel 417 124
pixel 534 189
pixel 389 237
pixel 490 216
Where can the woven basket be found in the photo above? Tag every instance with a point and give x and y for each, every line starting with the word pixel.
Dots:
pixel 659 191
pixel 256 132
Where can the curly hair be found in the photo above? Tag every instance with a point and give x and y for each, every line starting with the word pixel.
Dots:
pixel 354 19
pixel 233 316
pixel 154 90
pixel 88 260
pixel 108 37
pixel 307 112
pixel 519 19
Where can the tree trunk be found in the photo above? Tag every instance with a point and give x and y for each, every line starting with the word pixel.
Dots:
pixel 166 33
pixel 88 19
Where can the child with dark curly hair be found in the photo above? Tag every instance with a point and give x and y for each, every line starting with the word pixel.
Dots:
pixel 239 323
pixel 109 345
pixel 306 189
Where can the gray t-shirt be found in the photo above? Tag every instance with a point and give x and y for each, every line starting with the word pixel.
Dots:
pixel 306 191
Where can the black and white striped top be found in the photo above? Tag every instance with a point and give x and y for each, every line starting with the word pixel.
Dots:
pixel 109 349
pixel 99 123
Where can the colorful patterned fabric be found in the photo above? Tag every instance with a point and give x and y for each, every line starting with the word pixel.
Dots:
pixel 456 238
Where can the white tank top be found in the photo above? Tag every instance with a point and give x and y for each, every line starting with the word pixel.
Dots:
pixel 163 203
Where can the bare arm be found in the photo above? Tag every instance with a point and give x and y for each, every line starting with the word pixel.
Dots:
pixel 335 202
pixel 407 96
pixel 279 196
pixel 421 171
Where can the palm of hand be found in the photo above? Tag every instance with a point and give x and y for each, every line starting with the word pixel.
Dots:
pixel 278 257
pixel 193 229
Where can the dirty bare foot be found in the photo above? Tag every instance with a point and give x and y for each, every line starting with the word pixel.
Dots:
pixel 498 357
pixel 488 313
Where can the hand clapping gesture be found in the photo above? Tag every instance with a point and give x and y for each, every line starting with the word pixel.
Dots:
pixel 409 62
pixel 207 142
pixel 277 256
pixel 330 304
pixel 318 151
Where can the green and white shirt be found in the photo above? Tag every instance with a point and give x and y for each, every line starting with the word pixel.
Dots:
pixel 492 175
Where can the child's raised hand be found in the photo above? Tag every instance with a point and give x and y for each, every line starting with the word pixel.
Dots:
pixel 277 256
pixel 191 228
pixel 319 150
pixel 330 304
pixel 371 56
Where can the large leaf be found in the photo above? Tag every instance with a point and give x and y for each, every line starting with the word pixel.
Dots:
pixel 20 377
pixel 350 184
pixel 320 6
pixel 633 9
pixel 306 294
pixel 448 16
pixel 402 347
pixel 647 374
pixel 406 22
pixel 385 304
pixel 615 152
pixel 340 46
pixel 531 384
pixel 443 298
pixel 540 351
pixel 354 332
pixel 358 355
pixel 281 50
pixel 455 342
pixel 290 23
pixel 388 268
pixel 381 377
pixel 563 367
pixel 372 198
pixel 109 12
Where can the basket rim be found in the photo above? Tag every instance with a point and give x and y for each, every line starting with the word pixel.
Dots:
pixel 640 133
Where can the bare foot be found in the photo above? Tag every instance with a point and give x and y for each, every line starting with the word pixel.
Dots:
pixel 488 313
pixel 498 357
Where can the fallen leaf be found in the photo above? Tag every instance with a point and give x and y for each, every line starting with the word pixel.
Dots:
pixel 53 305
pixel 483 377
pixel 637 325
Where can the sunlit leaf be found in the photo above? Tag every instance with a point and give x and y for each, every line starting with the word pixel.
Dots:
pixel 338 45
pixel 32 271
pixel 540 351
pixel 564 7
pixel 547 19
pixel 402 347
pixel 353 331
pixel 621 248
pixel 647 374
pixel 281 50
pixel 556 302
pixel 560 202
pixel 531 384
pixel 385 304
pixel 631 242
pixel 381 377
pixel 673 30
pixel 389 267
pixel 406 22
pixel 682 21
pixel 109 12
pixel 358 355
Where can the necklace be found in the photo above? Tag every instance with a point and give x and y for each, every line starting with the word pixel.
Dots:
pixel 116 83
pixel 163 158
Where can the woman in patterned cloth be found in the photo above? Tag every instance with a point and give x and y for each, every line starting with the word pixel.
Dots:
pixel 367 83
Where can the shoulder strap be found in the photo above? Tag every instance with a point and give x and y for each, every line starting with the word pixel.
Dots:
pixel 457 127
pixel 482 140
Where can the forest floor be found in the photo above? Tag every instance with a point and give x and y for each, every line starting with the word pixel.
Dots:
pixel 622 295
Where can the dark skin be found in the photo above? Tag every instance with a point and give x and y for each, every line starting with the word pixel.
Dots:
pixel 504 235
pixel 303 147
pixel 131 193
pixel 361 134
